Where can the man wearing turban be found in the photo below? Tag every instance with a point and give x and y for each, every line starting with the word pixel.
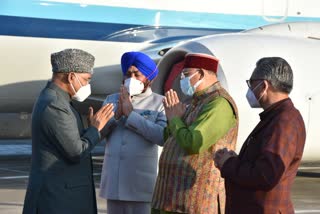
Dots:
pixel 131 157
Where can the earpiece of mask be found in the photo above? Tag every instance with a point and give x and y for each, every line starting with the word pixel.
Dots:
pixel 134 86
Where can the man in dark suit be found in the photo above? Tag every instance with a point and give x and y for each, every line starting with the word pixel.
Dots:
pixel 61 178
pixel 259 180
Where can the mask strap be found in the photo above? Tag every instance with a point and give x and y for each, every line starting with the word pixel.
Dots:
pixel 257 86
pixel 78 79
pixel 152 72
pixel 193 75
pixel 197 83
pixel 262 93
pixel 73 88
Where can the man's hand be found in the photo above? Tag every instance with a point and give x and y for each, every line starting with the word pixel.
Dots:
pixel 125 101
pixel 221 156
pixel 118 112
pixel 100 119
pixel 172 105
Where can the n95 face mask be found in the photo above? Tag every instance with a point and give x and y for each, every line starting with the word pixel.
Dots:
pixel 83 92
pixel 134 86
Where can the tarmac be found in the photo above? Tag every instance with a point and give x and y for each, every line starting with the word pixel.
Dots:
pixel 15 165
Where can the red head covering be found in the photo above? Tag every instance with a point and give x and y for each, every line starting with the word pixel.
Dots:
pixel 196 60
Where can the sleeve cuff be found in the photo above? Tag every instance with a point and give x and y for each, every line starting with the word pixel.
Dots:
pixel 92 134
pixel 132 121
pixel 175 124
pixel 166 133
pixel 227 169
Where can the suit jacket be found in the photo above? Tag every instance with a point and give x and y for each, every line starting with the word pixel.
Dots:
pixel 259 180
pixel 61 170
pixel 131 156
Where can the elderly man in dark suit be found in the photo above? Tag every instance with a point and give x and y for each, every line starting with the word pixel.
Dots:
pixel 61 172
pixel 259 180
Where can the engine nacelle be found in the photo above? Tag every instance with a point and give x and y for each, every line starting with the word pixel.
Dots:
pixel 238 54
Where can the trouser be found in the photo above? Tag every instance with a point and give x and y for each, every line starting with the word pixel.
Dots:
pixel 128 207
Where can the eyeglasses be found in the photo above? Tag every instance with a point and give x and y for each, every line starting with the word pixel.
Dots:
pixel 249 82
pixel 79 76
pixel 87 80
pixel 186 73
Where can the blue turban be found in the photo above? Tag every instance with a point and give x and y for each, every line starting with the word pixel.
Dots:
pixel 143 62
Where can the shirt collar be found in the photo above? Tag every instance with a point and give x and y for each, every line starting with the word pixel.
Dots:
pixel 207 91
pixel 147 93
pixel 59 91
pixel 275 108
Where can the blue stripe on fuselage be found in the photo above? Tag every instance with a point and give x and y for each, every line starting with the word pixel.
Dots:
pixel 131 16
pixel 35 18
pixel 49 28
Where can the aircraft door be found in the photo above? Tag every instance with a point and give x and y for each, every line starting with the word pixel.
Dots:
pixel 312 127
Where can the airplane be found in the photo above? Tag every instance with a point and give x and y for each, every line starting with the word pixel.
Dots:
pixel 235 31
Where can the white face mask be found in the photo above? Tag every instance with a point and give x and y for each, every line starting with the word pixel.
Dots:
pixel 186 87
pixel 252 100
pixel 83 92
pixel 134 86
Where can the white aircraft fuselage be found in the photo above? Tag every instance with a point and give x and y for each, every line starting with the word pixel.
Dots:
pixel 31 30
